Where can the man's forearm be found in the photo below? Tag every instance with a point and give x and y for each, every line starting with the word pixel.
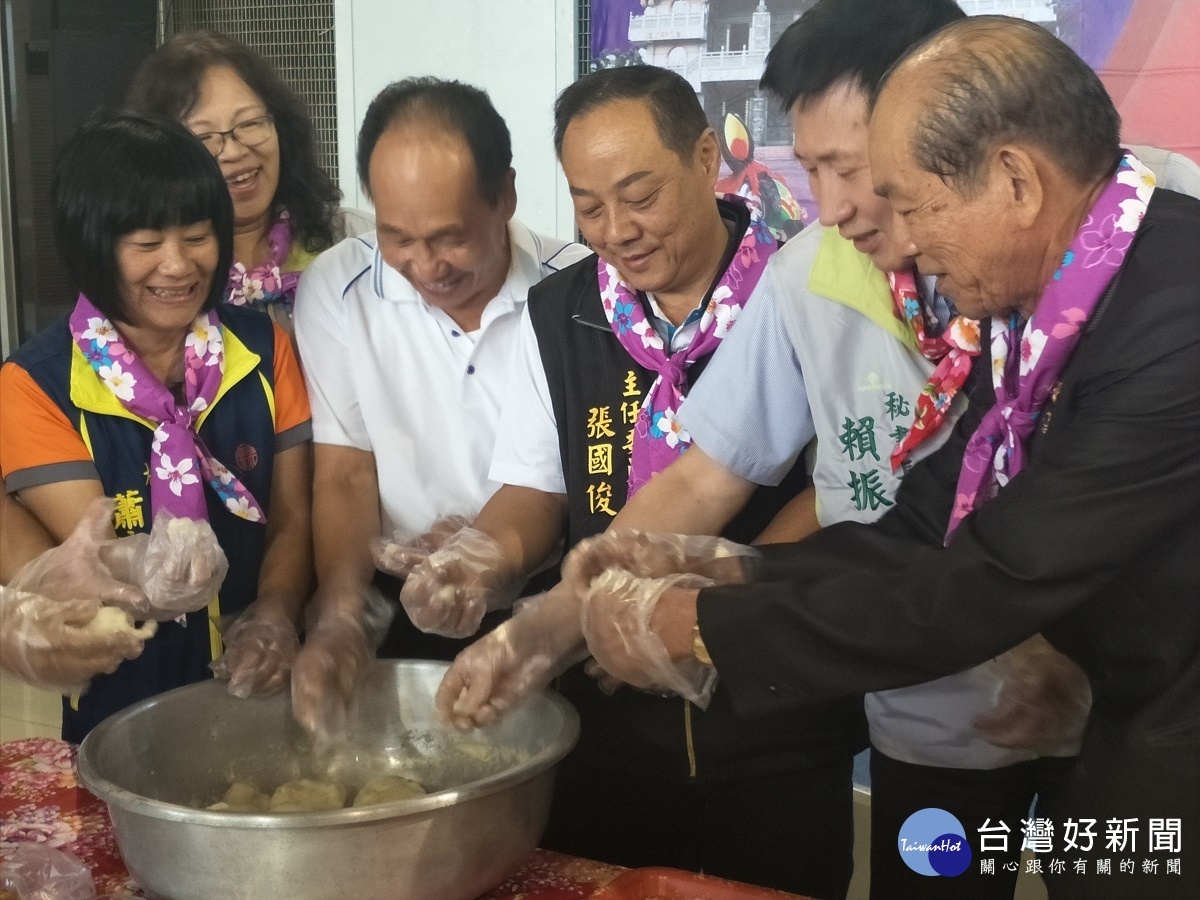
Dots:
pixel 345 518
pixel 694 495
pixel 526 523
pixel 794 522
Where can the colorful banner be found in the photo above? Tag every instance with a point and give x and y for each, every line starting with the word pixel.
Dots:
pixel 1146 51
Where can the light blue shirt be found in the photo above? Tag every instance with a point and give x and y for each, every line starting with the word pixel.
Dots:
pixel 749 410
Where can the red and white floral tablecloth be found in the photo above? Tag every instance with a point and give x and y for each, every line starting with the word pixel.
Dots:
pixel 41 801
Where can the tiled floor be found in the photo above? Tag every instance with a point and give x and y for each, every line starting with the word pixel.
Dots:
pixel 26 713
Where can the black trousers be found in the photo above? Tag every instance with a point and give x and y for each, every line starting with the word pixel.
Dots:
pixel 793 831
pixel 899 789
pixel 1133 772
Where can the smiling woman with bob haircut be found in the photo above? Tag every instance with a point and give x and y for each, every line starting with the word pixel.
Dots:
pixel 257 127
pixel 155 393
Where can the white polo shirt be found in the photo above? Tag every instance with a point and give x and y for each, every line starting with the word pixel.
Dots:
pixel 390 374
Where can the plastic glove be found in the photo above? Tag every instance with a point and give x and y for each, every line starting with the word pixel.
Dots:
pixel 516 660
pixel 617 618
pixel 401 553
pixel 1043 703
pixel 40 872
pixel 179 565
pixel 646 555
pixel 604 681
pixel 450 591
pixel 75 570
pixel 60 644
pixel 260 648
pixel 336 652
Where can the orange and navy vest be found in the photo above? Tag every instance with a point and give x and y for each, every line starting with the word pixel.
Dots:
pixel 239 429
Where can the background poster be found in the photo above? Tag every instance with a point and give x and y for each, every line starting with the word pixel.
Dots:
pixel 1146 51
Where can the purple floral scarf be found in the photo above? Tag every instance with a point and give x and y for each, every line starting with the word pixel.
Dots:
pixel 1026 365
pixel 265 285
pixel 177 450
pixel 658 438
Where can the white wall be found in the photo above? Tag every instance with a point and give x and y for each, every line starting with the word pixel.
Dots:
pixel 522 52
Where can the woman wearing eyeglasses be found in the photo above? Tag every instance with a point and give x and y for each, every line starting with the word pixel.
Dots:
pixel 284 204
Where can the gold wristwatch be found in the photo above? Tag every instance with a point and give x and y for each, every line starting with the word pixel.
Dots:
pixel 698 649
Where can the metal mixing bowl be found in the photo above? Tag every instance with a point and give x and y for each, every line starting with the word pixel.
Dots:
pixel 157 764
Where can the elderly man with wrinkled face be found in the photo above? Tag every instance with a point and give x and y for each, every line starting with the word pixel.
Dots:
pixel 1067 501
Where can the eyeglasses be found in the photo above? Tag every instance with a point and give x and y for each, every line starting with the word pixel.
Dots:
pixel 250 133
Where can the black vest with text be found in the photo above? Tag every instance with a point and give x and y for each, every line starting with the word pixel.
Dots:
pixel 596 389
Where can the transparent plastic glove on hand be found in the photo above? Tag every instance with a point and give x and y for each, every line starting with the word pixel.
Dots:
pixel 260 649
pixel 616 620
pixel 604 681
pixel 179 565
pixel 327 671
pixel 60 645
pixel 1043 702
pixel 40 872
pixel 377 613
pixel 401 553
pixel 76 568
pixel 512 662
pixel 450 591
pixel 646 555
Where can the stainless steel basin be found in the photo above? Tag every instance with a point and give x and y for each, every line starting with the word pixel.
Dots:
pixel 157 764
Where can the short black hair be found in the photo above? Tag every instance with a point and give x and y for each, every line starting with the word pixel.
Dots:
pixel 168 84
pixel 122 173
pixel 851 42
pixel 673 103
pixel 459 108
pixel 993 79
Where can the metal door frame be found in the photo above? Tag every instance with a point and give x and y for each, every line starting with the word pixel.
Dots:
pixel 8 281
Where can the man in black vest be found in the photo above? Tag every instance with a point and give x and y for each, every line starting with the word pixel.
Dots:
pixel 611 344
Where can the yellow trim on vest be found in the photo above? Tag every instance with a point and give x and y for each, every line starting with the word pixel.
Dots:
pixel 87 438
pixel 270 394
pixel 298 259
pixel 75 701
pixel 240 361
pixel 691 744
pixel 89 393
pixel 842 274
pixel 216 645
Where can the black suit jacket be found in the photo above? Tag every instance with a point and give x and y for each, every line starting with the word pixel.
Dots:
pixel 1096 544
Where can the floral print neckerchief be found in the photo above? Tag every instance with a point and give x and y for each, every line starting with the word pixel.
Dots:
pixel 176 449
pixel 658 437
pixel 1026 362
pixel 265 285
pixel 954 350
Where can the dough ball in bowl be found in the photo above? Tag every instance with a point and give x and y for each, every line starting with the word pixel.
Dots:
pixel 245 797
pixel 308 795
pixel 387 789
